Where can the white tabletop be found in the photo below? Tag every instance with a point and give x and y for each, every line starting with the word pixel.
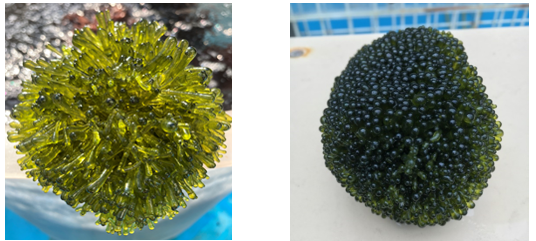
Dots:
pixel 322 210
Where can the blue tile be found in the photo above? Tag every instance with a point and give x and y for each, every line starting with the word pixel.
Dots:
pixel 517 24
pixel 408 20
pixel 485 26
pixel 506 25
pixel 313 25
pixel 385 21
pixel 338 23
pixel 466 17
pixel 520 13
pixel 526 24
pixel 444 18
pixel 294 8
pixel 398 20
pixel 308 7
pixel 361 22
pixel 487 15
pixel 301 26
pixel 333 7
pixel 361 6
pixel 508 14
pixel 421 19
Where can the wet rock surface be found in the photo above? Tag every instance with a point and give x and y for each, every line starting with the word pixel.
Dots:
pixel 208 27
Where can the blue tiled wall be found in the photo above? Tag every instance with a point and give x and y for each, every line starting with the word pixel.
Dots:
pixel 314 19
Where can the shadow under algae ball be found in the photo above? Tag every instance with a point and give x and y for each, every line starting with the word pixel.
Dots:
pixel 120 125
pixel 409 130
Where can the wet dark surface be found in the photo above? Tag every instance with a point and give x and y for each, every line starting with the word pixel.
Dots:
pixel 207 27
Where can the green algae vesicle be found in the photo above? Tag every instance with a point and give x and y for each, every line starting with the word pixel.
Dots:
pixel 120 125
pixel 409 130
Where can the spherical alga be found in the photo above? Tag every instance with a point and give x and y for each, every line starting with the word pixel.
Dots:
pixel 120 125
pixel 409 129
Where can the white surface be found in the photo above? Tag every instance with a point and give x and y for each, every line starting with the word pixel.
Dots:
pixel 322 210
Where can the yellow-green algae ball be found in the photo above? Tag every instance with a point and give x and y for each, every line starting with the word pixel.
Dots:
pixel 120 125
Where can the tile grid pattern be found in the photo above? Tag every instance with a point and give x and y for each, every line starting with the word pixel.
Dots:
pixel 319 19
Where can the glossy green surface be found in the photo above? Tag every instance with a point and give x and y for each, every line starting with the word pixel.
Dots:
pixel 409 130
pixel 120 124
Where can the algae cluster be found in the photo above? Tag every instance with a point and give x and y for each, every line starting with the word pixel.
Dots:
pixel 120 124
pixel 409 130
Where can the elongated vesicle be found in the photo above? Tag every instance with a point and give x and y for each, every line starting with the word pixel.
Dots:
pixel 95 185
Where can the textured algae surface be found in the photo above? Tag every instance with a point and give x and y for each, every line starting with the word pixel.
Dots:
pixel 409 130
pixel 120 124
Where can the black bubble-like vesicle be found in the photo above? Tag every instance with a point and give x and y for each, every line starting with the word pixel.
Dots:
pixel 409 129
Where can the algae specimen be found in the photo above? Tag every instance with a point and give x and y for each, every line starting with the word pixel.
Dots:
pixel 409 130
pixel 120 124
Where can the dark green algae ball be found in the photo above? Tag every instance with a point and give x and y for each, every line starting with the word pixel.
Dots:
pixel 409 129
